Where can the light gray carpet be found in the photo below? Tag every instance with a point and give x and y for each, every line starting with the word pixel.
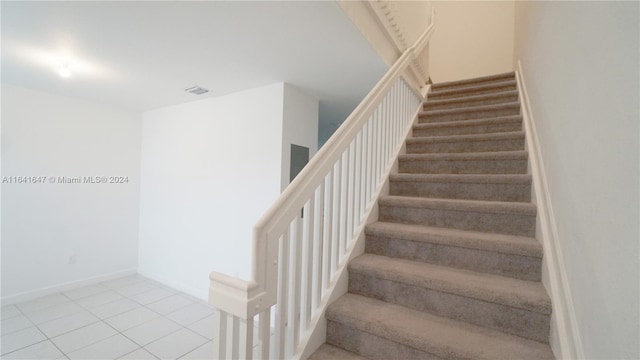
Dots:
pixel 451 269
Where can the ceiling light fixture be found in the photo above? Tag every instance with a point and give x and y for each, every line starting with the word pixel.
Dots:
pixel 64 71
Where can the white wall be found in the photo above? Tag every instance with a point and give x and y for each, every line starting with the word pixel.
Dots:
pixel 300 126
pixel 471 39
pixel 580 62
pixel 45 224
pixel 410 17
pixel 209 170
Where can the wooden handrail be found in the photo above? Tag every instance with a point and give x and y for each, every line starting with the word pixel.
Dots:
pixel 245 299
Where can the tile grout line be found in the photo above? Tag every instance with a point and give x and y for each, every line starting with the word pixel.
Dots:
pixel 172 292
pixel 41 332
pixel 185 327
pixel 47 338
pixel 118 332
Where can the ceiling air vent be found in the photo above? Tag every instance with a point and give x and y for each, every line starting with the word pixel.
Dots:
pixel 196 90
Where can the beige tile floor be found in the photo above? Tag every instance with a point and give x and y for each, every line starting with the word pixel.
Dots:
pixel 126 318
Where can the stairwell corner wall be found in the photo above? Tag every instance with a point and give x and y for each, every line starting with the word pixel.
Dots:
pixel 209 169
pixel 564 337
pixel 473 38
pixel 580 67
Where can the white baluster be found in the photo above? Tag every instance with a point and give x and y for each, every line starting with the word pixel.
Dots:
pixel 243 347
pixel 374 155
pixel 390 139
pixel 350 194
pixel 335 228
pixel 409 102
pixel 344 189
pixel 396 110
pixel 305 264
pixel 283 292
pixel 370 148
pixel 380 147
pixel 292 310
pixel 220 333
pixel 363 171
pixel 233 339
pixel 387 129
pixel 357 189
pixel 316 272
pixel 397 126
pixel 385 137
pixel 264 333
pixel 399 121
pixel 326 232
pixel 406 101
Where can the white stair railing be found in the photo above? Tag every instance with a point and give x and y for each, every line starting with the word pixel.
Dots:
pixel 305 238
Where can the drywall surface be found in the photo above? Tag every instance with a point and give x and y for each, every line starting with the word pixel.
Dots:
pixel 580 62
pixel 55 234
pixel 300 126
pixel 411 19
pixel 471 39
pixel 209 170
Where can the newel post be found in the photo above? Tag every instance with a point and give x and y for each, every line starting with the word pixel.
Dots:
pixel 233 321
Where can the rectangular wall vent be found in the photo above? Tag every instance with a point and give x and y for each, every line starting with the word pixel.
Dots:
pixel 196 90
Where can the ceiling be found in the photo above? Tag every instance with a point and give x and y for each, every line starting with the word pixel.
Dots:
pixel 142 55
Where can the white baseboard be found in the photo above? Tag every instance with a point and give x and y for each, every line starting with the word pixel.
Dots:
pixel 565 337
pixel 34 294
pixel 202 295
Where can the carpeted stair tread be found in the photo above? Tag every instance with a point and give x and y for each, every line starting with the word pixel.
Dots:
pixel 485 162
pixel 494 207
pixel 506 244
pixel 451 269
pixel 466 137
pixel 517 307
pixel 501 187
pixel 472 100
pixel 472 112
pixel 463 178
pixel 462 127
pixel 482 79
pixel 493 87
pixel 487 142
pixel 520 294
pixel 473 122
pixel 438 336
pixel 513 218
pixel 330 352
pixel 494 155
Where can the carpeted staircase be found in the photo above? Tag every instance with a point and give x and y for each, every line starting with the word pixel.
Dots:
pixel 451 269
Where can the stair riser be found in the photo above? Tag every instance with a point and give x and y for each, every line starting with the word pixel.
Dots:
pixel 468 130
pixel 466 146
pixel 512 224
pixel 494 192
pixel 371 346
pixel 524 323
pixel 509 265
pixel 463 104
pixel 479 114
pixel 476 166
pixel 471 82
pixel 446 94
pixel 330 352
